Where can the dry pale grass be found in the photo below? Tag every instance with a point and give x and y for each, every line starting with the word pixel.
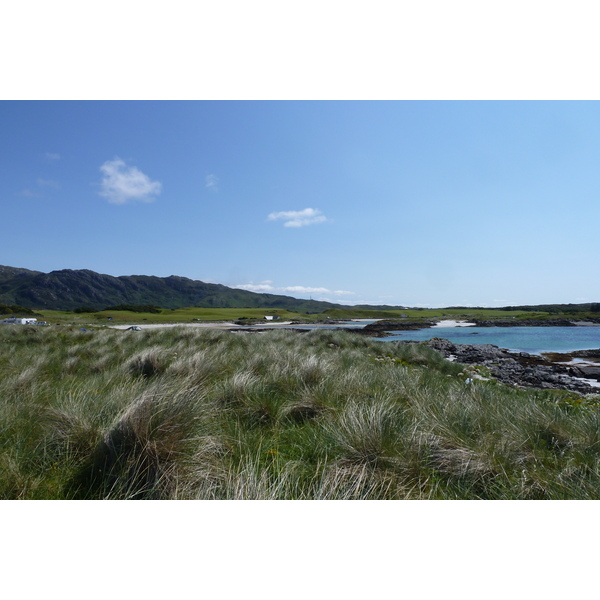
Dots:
pixel 148 363
pixel 143 453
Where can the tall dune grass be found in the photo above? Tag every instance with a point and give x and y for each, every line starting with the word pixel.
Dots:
pixel 205 414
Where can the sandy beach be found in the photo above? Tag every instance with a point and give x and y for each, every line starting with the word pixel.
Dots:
pixel 224 325
pixel 450 323
pixel 213 325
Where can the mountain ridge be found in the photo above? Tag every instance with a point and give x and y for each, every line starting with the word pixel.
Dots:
pixel 67 289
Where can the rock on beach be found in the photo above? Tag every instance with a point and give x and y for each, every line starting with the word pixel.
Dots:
pixel 521 369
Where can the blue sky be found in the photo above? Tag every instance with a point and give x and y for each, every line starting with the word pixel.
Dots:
pixel 415 203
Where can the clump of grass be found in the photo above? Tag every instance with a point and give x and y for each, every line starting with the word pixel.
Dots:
pixel 14 484
pixel 196 366
pixel 234 390
pixel 347 481
pixel 303 410
pixel 142 453
pixel 369 431
pixel 147 363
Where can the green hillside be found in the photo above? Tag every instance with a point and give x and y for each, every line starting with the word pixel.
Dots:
pixel 69 289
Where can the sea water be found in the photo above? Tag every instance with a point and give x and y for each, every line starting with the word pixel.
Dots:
pixel 532 340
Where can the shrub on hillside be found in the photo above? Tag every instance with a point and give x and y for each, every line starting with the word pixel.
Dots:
pixel 140 308
pixel 15 309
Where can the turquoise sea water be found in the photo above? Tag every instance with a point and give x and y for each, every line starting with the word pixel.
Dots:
pixel 520 339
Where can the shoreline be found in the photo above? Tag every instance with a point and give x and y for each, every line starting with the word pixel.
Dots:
pixel 520 369
pixel 577 371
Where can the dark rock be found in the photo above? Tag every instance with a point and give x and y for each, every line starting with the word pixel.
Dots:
pixel 519 368
pixel 588 371
pixel 586 354
pixel 397 325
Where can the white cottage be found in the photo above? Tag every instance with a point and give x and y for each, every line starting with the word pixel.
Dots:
pixel 19 321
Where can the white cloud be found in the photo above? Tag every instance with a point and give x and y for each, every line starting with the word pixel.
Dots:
pixel 298 218
pixel 48 183
pixel 52 156
pixel 355 302
pixel 212 183
pixel 266 287
pixel 300 289
pixel 121 183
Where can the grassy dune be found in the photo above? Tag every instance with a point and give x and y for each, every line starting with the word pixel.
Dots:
pixel 206 414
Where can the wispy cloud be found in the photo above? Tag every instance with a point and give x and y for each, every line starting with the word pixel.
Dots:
pixel 51 156
pixel 122 183
pixel 48 183
pixel 267 287
pixel 263 287
pixel 301 289
pixel 355 302
pixel 212 183
pixel 27 193
pixel 298 218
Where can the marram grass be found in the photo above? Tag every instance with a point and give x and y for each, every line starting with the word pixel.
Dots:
pixel 200 414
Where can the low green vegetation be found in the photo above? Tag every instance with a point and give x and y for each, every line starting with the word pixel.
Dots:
pixel 15 309
pixel 184 413
pixel 138 308
pixel 186 315
pixel 115 316
pixel 426 314
pixel 154 314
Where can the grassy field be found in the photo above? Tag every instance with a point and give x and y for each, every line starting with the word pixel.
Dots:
pixel 186 315
pixel 436 313
pixel 180 315
pixel 181 413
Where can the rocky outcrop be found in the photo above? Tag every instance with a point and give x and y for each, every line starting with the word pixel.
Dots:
pixel 397 325
pixel 521 369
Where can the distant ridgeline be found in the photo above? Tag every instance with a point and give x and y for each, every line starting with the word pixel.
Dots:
pixel 22 290
pixel 71 289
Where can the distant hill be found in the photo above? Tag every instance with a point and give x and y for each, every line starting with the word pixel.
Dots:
pixel 68 289
pixel 12 273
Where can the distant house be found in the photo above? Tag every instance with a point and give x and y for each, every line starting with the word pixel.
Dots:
pixel 271 317
pixel 18 321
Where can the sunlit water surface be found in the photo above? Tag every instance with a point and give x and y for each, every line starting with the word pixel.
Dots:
pixel 519 339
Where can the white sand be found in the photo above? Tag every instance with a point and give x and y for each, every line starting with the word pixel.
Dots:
pixel 364 320
pixel 216 325
pixel 159 325
pixel 265 325
pixel 453 324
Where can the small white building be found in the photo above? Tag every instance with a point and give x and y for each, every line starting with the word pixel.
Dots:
pixel 18 321
pixel 271 317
